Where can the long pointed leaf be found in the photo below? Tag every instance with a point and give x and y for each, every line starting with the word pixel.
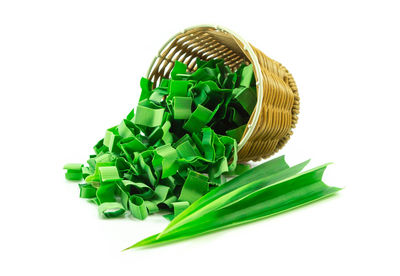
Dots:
pixel 273 199
pixel 267 168
pixel 237 194
pixel 268 199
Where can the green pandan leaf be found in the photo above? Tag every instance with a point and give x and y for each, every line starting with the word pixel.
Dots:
pixel 179 68
pixel 271 167
pixel 247 188
pixel 137 207
pixel 74 171
pixel 278 197
pixel 149 117
pixel 182 107
pixel 194 187
pixel 198 119
pixel 146 85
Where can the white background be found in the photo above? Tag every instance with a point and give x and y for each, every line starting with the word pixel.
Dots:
pixel 71 69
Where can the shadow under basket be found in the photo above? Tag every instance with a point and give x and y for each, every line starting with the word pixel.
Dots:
pixel 275 114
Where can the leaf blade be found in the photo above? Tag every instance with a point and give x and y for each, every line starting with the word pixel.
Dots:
pixel 273 165
pixel 232 196
pixel 309 188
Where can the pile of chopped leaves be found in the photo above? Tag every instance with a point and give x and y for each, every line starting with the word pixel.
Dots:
pixel 179 144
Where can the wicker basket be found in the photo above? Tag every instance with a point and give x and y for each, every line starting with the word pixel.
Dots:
pixel 275 115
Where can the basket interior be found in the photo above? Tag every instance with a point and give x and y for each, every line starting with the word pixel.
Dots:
pixel 203 42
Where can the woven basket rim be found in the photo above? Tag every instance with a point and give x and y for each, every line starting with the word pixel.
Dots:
pixel 254 61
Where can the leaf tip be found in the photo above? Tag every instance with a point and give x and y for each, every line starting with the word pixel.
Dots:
pixel 126 249
pixel 136 245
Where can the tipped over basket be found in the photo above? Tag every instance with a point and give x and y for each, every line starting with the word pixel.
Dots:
pixel 275 115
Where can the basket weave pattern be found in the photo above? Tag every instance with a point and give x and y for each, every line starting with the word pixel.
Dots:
pixel 280 101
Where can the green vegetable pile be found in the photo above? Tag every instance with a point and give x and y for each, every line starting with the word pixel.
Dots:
pixel 180 144
pixel 175 153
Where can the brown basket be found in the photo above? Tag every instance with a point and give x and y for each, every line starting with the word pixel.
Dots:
pixel 275 115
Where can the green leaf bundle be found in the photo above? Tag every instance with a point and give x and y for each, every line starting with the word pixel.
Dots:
pixel 266 190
